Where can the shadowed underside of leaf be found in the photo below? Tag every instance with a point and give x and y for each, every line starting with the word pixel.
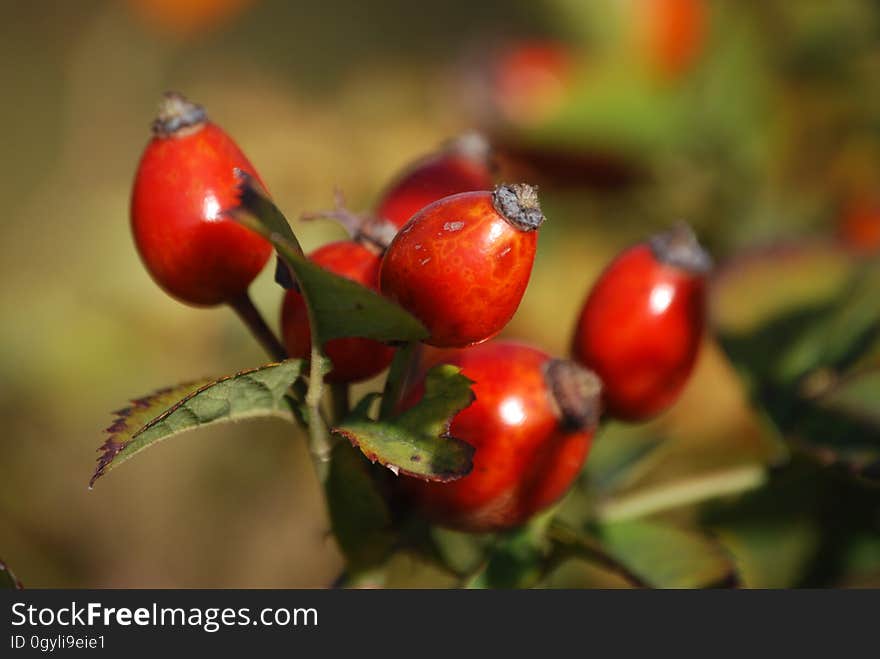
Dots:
pixel 819 319
pixel 858 395
pixel 338 307
pixel 837 436
pixel 8 580
pixel 416 443
pixel 834 418
pixel 771 555
pixel 359 514
pixel 620 455
pixel 251 393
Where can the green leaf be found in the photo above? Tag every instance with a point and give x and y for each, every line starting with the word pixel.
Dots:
pixel 667 556
pixel 276 222
pixel 255 200
pixel 783 312
pixel 460 551
pixel 614 111
pixel 338 307
pixel 857 395
pixel 408 569
pixel 862 559
pixel 358 512
pixel 839 425
pixel 515 560
pixel 620 456
pixel 774 554
pixel 416 443
pixel 256 392
pixel 764 299
pixel 8 579
pixel 570 543
pixel 775 533
pixel 819 319
pixel 576 572
pixel 840 336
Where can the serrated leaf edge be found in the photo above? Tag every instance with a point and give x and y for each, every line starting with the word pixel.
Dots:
pixel 445 477
pixel 397 469
pixel 110 448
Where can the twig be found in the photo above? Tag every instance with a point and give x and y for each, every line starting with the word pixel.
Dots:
pixel 572 543
pixel 319 439
pixel 251 317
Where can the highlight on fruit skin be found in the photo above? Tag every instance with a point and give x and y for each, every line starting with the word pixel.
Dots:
pixel 642 324
pixel 462 264
pixel 184 182
pixel 532 424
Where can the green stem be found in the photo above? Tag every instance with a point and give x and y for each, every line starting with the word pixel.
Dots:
pixel 398 375
pixel 570 542
pixel 244 308
pixel 319 439
pixel 682 493
pixel 339 400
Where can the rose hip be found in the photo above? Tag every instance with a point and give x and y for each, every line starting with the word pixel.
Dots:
pixel 463 165
pixel 641 326
pixel 461 265
pixel 184 182
pixel 532 425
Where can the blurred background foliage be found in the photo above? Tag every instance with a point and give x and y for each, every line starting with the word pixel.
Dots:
pixel 758 122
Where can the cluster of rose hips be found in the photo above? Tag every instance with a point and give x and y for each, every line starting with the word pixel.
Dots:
pixel 456 251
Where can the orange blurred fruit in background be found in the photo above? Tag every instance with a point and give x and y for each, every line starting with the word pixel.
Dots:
pixel 671 33
pixel 859 227
pixel 187 18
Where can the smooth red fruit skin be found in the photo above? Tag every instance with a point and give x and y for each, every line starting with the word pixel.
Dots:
pixel 525 460
pixel 640 331
pixel 460 267
pixel 437 176
pixel 183 183
pixel 355 358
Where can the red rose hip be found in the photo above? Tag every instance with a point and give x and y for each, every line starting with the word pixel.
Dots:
pixel 532 425
pixel 354 358
pixel 461 265
pixel 641 326
pixel 184 182
pixel 463 165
